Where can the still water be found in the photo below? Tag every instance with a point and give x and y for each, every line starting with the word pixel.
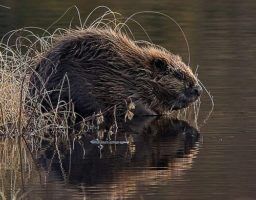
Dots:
pixel 167 159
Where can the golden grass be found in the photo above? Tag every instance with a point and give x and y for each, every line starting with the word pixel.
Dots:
pixel 12 112
pixel 19 112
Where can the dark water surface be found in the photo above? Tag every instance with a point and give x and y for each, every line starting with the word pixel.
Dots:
pixel 167 160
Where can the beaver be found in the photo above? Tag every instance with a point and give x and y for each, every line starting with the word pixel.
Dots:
pixel 100 68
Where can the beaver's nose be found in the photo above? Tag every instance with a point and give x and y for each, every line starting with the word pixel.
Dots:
pixel 196 90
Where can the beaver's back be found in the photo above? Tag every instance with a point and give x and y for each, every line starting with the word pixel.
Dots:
pixel 81 65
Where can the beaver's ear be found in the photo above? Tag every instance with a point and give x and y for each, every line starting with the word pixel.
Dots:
pixel 160 64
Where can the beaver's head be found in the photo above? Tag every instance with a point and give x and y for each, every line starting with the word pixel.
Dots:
pixel 165 83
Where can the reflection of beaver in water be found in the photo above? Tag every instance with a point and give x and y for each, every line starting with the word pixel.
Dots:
pixel 159 144
pixel 103 68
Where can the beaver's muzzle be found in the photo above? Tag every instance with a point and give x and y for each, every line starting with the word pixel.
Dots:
pixel 190 95
pixel 194 91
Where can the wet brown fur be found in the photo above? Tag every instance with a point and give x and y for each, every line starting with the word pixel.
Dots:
pixel 99 68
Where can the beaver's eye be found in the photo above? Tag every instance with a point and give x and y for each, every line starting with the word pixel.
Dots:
pixel 160 64
pixel 178 75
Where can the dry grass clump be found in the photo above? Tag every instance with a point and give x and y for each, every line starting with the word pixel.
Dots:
pixel 12 113
pixel 19 112
pixel 9 99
